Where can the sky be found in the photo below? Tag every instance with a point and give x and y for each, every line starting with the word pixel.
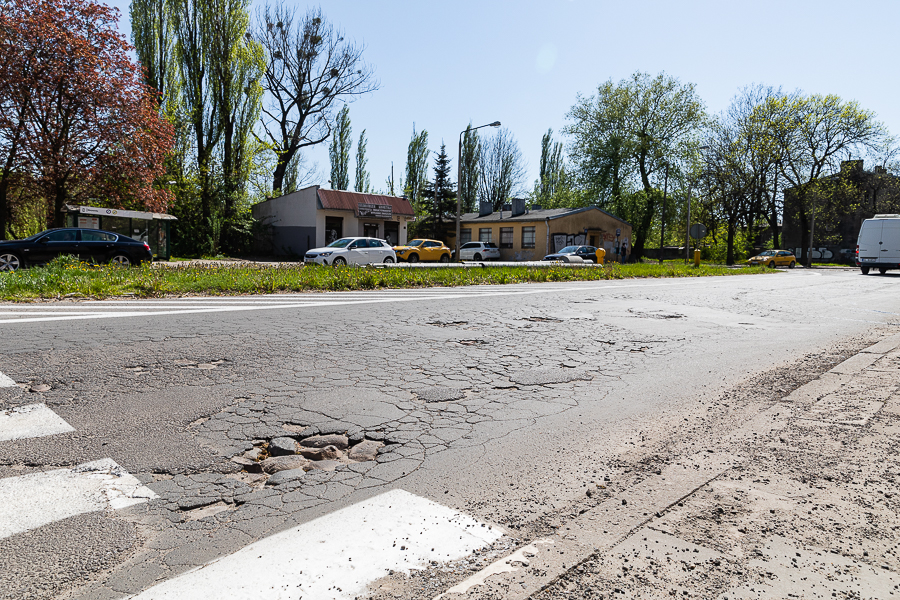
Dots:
pixel 442 65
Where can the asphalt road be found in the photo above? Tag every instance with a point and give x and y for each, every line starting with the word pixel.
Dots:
pixel 501 403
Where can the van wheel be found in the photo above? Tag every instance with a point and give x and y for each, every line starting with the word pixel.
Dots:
pixel 865 270
pixel 792 265
pixel 882 270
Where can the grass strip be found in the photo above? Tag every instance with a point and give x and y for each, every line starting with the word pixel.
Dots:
pixel 68 278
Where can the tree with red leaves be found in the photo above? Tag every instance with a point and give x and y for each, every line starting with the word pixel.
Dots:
pixel 77 121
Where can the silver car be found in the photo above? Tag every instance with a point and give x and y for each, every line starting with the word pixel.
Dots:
pixel 352 251
pixel 479 251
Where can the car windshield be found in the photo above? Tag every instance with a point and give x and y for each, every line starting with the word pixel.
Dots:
pixel 341 243
pixel 31 238
pixel 415 243
pixel 768 253
pixel 568 249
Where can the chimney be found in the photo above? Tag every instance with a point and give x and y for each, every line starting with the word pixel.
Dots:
pixel 518 207
pixel 485 208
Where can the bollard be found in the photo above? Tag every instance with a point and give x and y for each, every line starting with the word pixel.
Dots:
pixel 696 258
pixel 601 254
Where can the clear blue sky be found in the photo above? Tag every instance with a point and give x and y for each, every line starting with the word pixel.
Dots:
pixel 444 64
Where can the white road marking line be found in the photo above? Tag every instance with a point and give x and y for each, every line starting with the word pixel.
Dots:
pixel 337 302
pixel 33 420
pixel 6 381
pixel 336 556
pixel 36 499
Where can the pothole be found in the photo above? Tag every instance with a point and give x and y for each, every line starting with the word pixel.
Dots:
pixel 288 457
pixel 202 366
pixel 542 320
pixel 471 342
pixel 549 376
pixel 207 511
pixel 440 394
pixel 448 323
pixel 654 314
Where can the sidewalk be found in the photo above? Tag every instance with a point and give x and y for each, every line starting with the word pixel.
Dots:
pixel 800 500
pixel 808 510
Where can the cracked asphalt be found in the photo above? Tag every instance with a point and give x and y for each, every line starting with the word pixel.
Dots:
pixel 507 407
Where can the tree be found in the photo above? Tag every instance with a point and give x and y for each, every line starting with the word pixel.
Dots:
pixel 812 134
pixel 339 152
pixel 309 67
pixel 362 175
pixel 442 194
pixel 416 168
pixel 78 121
pixel 470 158
pixel 152 36
pixel 501 169
pixel 551 169
pixel 626 134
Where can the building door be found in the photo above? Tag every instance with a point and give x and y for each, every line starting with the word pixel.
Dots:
pixel 392 232
pixel 334 229
pixel 370 230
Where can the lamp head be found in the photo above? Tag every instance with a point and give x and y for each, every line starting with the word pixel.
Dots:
pixel 495 124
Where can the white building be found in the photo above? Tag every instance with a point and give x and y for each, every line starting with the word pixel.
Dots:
pixel 313 217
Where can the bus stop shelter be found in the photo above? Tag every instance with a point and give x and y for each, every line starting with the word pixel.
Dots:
pixel 151 228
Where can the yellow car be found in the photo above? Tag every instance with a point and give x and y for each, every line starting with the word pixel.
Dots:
pixel 774 258
pixel 417 250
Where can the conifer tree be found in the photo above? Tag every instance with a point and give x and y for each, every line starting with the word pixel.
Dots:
pixel 442 195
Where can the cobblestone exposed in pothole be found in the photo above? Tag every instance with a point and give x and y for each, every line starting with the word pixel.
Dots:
pixel 550 376
pixel 440 394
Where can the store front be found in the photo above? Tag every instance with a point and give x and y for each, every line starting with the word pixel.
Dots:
pixel 151 228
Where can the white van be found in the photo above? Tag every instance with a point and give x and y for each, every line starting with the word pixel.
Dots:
pixel 878 246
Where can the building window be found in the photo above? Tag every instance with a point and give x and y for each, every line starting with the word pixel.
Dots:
pixel 465 236
pixel 528 237
pixel 484 234
pixel 506 237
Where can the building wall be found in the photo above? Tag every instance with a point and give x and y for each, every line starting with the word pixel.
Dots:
pixel 354 226
pixel 297 209
pixel 599 225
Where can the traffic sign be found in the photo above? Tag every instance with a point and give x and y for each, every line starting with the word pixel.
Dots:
pixel 698 230
pixel 618 232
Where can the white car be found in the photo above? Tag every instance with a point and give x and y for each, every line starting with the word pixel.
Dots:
pixel 352 251
pixel 479 251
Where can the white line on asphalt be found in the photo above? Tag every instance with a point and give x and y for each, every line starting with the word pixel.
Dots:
pixel 33 420
pixel 337 302
pixel 335 556
pixel 6 381
pixel 36 499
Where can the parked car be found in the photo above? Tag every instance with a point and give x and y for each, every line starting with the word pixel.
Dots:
pixel 878 245
pixel 417 250
pixel 479 251
pixel 352 251
pixel 89 245
pixel 585 253
pixel 774 258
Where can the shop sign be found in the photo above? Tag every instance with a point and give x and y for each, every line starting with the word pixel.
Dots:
pixel 374 211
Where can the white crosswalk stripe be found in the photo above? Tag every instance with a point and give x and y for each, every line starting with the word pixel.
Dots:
pixel 337 556
pixel 6 381
pixel 36 499
pixel 33 420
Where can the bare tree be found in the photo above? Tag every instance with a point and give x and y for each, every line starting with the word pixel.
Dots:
pixel 502 169
pixel 309 67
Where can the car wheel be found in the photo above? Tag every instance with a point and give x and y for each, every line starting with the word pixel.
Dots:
pixel 10 262
pixel 477 256
pixel 339 262
pixel 865 270
pixel 792 265
pixel 771 264
pixel 120 260
pixel 413 258
pixel 882 270
pixel 388 260
pixel 445 258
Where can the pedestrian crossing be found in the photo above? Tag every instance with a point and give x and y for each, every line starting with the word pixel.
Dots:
pixel 6 381
pixel 30 421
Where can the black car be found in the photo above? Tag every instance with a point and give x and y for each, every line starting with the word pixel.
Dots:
pixel 89 245
pixel 586 253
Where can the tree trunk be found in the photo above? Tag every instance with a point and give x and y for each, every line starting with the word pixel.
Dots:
pixel 729 242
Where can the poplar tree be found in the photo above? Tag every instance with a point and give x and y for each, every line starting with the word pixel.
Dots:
pixel 416 165
pixel 362 175
pixel 339 152
pixel 468 182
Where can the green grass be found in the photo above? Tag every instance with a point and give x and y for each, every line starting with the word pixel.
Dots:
pixel 67 278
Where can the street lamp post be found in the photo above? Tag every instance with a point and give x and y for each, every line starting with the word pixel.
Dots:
pixel 662 214
pixel 459 181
